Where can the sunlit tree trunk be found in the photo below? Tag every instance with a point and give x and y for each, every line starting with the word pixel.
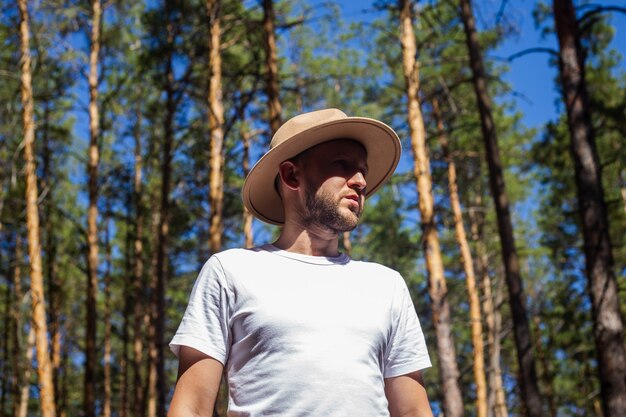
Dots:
pixel 449 372
pixel 468 267
pixel 491 310
pixel 271 66
pixel 39 322
pixel 607 320
pixel 216 127
pixel 92 216
pixel 54 286
pixel 527 374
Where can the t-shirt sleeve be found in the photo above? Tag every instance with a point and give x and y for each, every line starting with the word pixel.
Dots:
pixel 205 324
pixel 406 350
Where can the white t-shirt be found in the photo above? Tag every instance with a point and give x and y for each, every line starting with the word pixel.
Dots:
pixel 303 335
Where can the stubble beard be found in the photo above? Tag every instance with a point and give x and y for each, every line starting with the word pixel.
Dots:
pixel 323 210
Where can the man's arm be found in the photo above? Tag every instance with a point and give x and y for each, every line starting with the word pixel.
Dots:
pixel 407 396
pixel 198 382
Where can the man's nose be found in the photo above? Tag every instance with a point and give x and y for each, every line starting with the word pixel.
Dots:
pixel 357 181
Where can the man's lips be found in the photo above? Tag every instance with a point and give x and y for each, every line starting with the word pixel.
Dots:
pixel 354 197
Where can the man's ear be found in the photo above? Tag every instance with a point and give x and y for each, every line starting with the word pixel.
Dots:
pixel 289 172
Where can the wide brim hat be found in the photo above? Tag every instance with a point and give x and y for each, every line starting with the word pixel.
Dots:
pixel 305 131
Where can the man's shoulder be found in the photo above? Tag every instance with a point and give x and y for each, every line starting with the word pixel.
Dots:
pixel 374 267
pixel 237 254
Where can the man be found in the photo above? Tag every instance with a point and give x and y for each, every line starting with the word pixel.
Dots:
pixel 302 329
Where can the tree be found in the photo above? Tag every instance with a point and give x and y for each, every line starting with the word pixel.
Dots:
pixel 92 214
pixel 216 122
pixel 608 326
pixel 527 373
pixel 449 373
pixel 468 267
pixel 44 369
pixel 271 66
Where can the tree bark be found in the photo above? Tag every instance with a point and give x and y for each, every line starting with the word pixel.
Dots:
pixel 530 395
pixel 468 267
pixel 164 217
pixel 247 216
pixel 92 217
pixel 449 372
pixel 106 404
pixel 271 66
pixel 44 371
pixel 602 285
pixel 138 279
pixel 21 368
pixel 24 387
pixel 216 127
pixel 54 286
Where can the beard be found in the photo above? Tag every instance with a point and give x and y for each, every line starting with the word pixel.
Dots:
pixel 323 210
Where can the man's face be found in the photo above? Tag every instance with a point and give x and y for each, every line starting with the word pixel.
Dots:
pixel 334 185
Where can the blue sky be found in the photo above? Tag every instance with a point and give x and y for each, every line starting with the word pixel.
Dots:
pixel 530 76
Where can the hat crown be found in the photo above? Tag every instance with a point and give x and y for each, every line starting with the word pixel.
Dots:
pixel 305 122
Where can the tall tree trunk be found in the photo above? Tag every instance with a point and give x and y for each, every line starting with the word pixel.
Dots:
pixel 20 366
pixel 491 311
pixel 129 301
pixel 54 286
pixel 216 127
pixel 545 374
pixel 44 371
pixel 247 216
pixel 449 372
pixel 106 404
pixel 24 387
pixel 92 216
pixel 163 231
pixel 149 322
pixel 271 66
pixel 138 279
pixel 607 320
pixel 468 267
pixel 527 374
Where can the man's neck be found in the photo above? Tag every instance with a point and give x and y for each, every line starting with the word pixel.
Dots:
pixel 313 241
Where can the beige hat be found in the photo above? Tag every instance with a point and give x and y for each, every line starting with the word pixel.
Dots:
pixel 307 130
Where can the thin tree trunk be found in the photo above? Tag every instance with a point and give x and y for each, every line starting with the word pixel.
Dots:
pixel 6 375
pixel 22 408
pixel 163 230
pixel 149 322
pixel 545 373
pixel 129 300
pixel 216 127
pixel 468 267
pixel 54 285
pixel 44 371
pixel 449 372
pixel 531 397
pixel 106 404
pixel 247 216
pixel 20 367
pixel 607 320
pixel 271 66
pixel 92 216
pixel 491 311
pixel 138 310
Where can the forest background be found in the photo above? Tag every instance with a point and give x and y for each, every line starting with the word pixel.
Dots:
pixel 126 129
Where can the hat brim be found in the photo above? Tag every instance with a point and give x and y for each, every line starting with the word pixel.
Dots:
pixel 380 141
